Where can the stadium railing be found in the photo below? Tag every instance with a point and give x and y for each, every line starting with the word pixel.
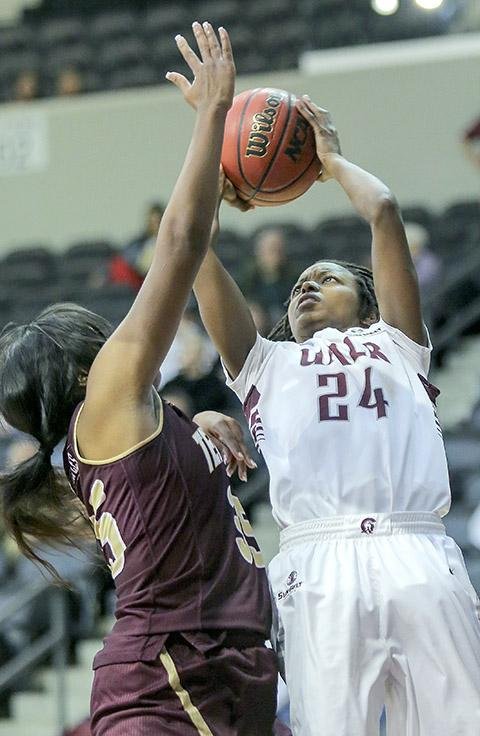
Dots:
pixel 53 642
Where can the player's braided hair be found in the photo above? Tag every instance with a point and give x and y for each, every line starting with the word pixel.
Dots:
pixel 366 291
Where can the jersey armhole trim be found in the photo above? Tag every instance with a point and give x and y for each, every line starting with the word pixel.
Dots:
pixel 131 450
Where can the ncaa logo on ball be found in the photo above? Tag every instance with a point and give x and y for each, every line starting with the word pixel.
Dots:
pixel 368 525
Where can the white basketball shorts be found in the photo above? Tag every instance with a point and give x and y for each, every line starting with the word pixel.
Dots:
pixel 372 611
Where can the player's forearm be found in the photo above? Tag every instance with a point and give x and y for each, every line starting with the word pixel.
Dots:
pixel 224 313
pixel 369 196
pixel 189 214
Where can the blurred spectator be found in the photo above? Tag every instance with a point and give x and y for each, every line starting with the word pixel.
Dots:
pixel 26 86
pixel 130 266
pixel 471 140
pixel 269 277
pixel 427 264
pixel 191 378
pixel 69 82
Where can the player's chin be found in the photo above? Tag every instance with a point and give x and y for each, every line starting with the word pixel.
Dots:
pixel 308 322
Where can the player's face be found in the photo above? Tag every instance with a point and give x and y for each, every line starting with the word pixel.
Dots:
pixel 325 295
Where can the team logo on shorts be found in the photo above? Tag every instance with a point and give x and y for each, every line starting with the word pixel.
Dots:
pixel 292 577
pixel 368 525
pixel 292 583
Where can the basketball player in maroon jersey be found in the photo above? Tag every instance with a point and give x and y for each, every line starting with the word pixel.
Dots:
pixel 186 654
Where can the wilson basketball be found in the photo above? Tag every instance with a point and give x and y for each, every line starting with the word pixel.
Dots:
pixel 269 148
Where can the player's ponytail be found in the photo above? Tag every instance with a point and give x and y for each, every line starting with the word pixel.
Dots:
pixel 43 369
pixel 39 507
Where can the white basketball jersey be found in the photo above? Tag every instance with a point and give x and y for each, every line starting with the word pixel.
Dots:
pixel 346 423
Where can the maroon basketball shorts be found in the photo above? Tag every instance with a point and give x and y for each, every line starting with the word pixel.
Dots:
pixel 212 684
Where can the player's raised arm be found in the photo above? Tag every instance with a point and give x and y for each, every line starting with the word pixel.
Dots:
pixel 396 283
pixel 223 308
pixel 126 366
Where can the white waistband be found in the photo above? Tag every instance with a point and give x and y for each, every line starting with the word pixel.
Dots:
pixel 361 526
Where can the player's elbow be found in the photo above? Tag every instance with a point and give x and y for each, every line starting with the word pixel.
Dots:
pixel 188 237
pixel 386 208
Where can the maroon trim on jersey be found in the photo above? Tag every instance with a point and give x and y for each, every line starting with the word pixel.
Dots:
pixel 252 415
pixel 432 391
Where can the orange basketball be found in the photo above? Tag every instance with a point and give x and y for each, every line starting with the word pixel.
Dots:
pixel 269 148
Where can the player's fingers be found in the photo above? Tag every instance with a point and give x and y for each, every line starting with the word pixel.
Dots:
pixel 188 54
pixel 226 44
pixel 306 113
pixel 242 472
pixel 231 467
pixel 215 48
pixel 223 449
pixel 179 81
pixel 232 437
pixel 230 196
pixel 318 112
pixel 202 41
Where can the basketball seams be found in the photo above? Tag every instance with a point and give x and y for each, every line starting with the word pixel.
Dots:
pixel 275 153
pixel 239 137
pixel 250 170
pixel 293 181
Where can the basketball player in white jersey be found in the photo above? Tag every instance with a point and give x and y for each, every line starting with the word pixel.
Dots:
pixel 373 601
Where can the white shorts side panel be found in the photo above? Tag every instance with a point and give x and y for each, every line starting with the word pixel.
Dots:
pixel 371 620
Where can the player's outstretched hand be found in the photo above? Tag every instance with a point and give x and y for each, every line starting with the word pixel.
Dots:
pixel 326 136
pixel 226 433
pixel 214 72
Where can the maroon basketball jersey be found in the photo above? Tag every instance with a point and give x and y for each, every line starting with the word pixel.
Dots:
pixel 177 542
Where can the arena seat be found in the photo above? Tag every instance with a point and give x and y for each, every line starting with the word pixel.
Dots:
pixel 166 20
pixel 15 62
pixel 219 12
pixel 15 38
pixel 120 53
pixel 257 13
pixel 83 259
pixel 242 37
pixel 28 267
pixel 110 25
pixel 61 31
pixel 111 301
pixel 79 55
pixel 137 75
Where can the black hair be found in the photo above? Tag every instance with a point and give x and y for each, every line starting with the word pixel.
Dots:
pixel 366 292
pixel 43 369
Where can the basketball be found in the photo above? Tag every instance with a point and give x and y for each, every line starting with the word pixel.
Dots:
pixel 269 150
